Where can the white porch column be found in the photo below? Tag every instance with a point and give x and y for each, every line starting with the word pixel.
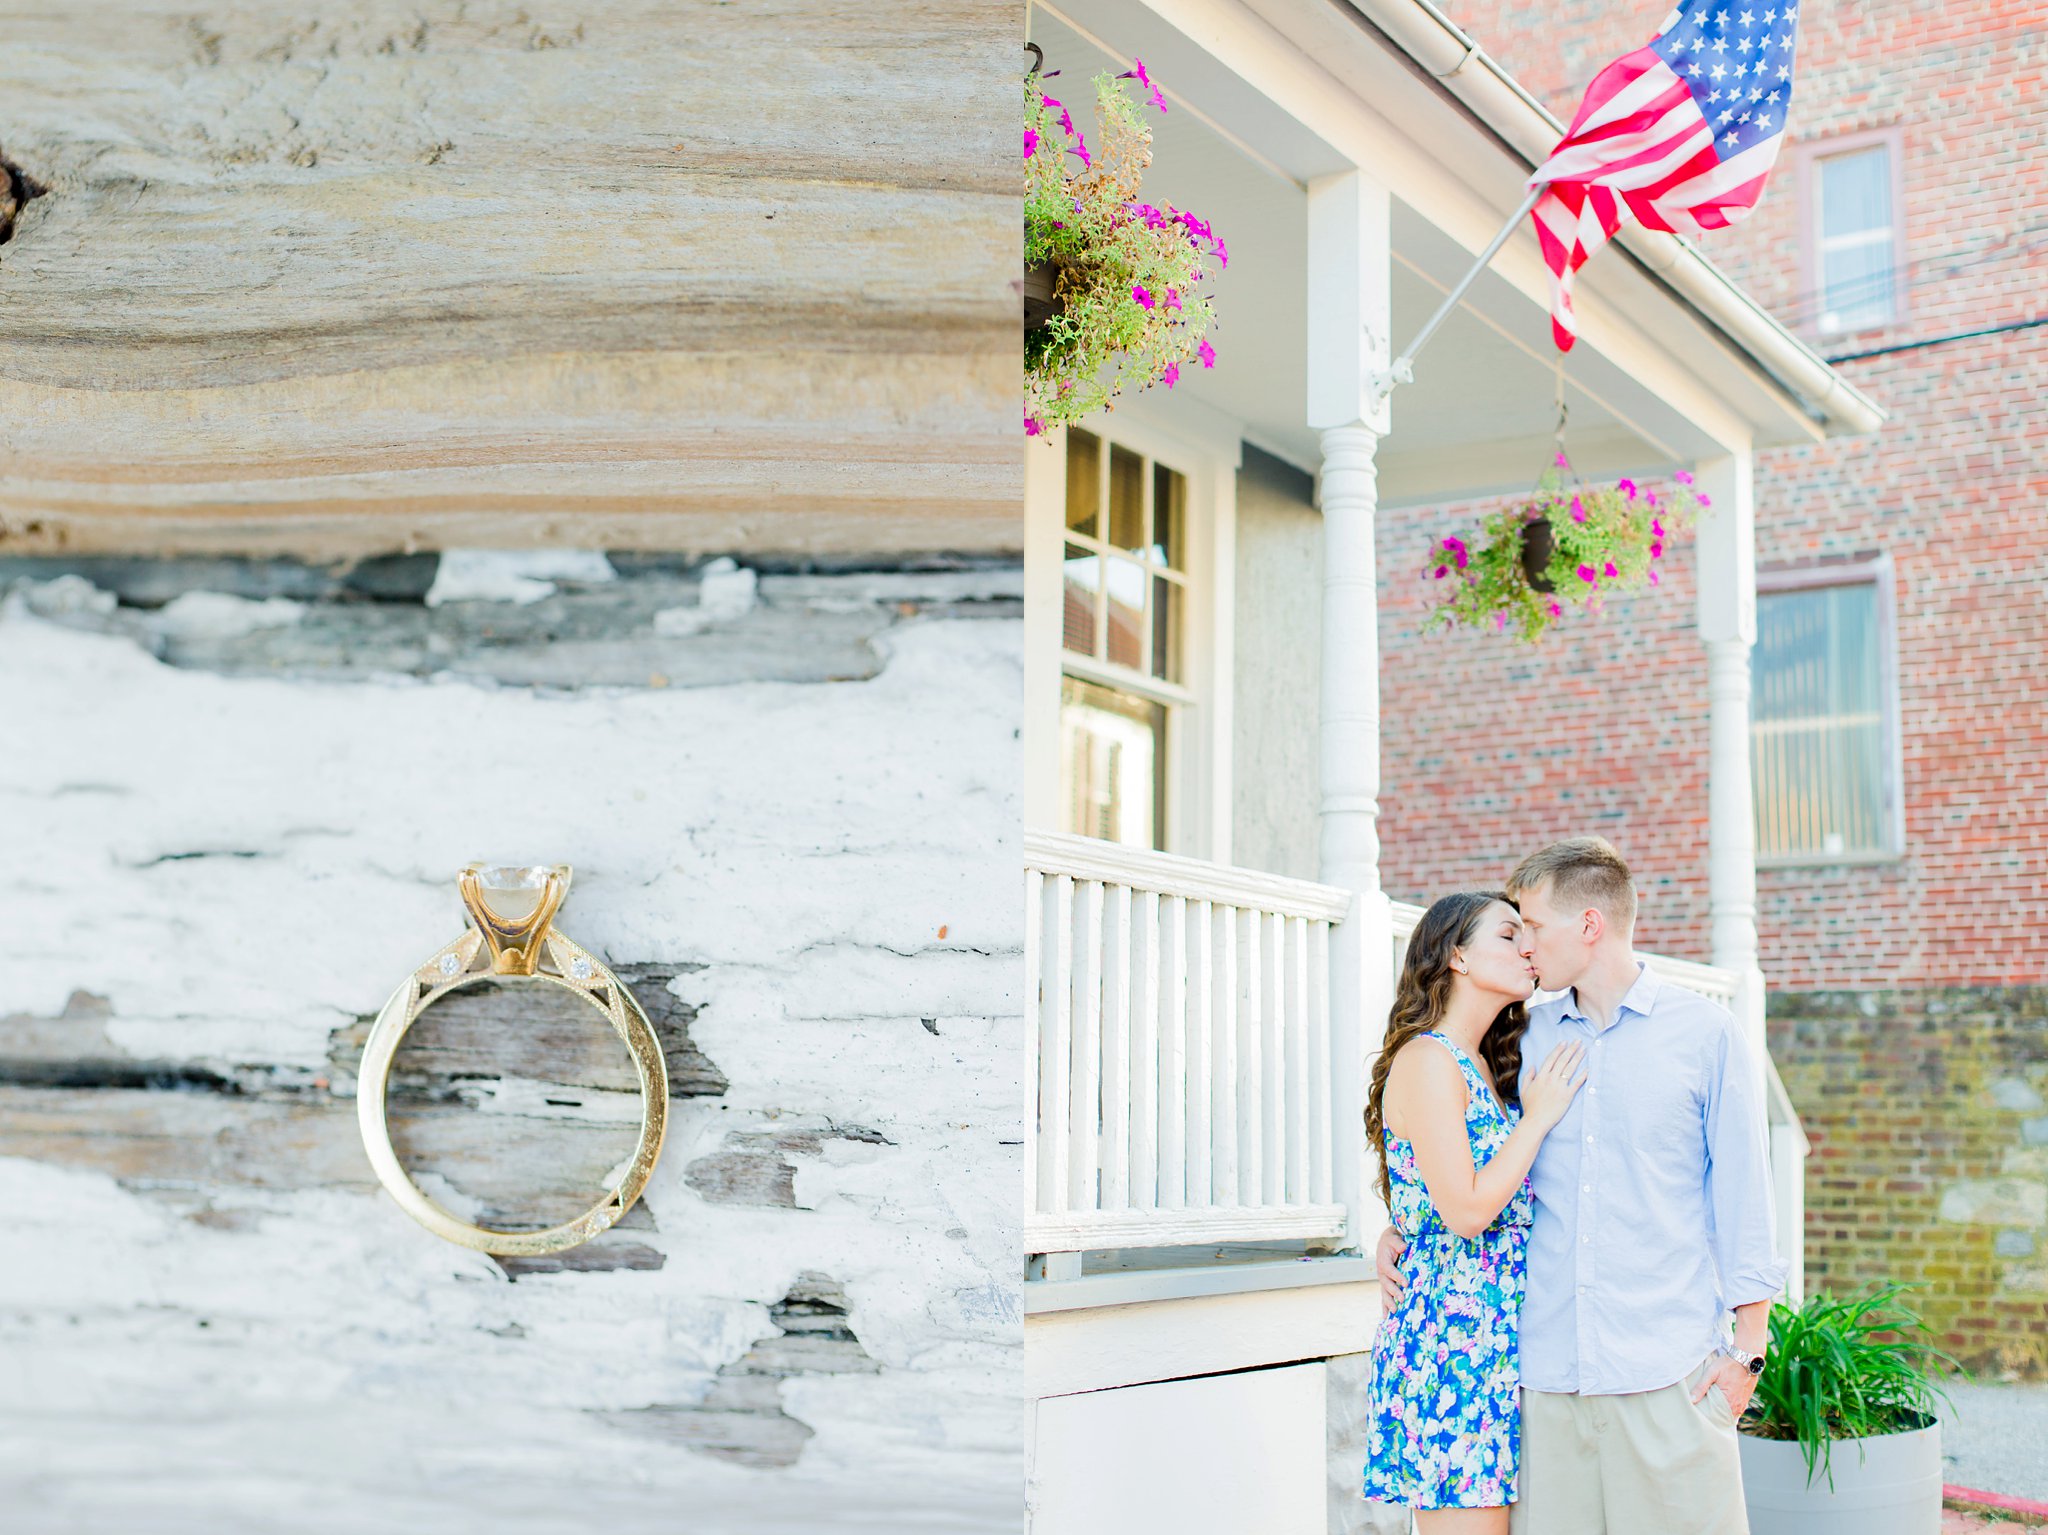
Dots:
pixel 1727 623
pixel 1348 315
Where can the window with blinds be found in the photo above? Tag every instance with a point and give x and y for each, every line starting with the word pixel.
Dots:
pixel 1858 239
pixel 1819 736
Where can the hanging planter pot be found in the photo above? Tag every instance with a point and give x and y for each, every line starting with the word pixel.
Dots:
pixel 1539 543
pixel 1041 302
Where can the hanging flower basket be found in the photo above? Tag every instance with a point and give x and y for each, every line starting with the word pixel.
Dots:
pixel 1112 293
pixel 1561 549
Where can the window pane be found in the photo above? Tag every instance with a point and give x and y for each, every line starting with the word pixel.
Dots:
pixel 1169 516
pixel 1084 480
pixel 1856 286
pixel 1126 612
pixel 1167 597
pixel 1855 193
pixel 1817 722
pixel 1112 764
pixel 1126 499
pixel 1083 579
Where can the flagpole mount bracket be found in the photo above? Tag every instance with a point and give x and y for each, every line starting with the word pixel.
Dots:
pixel 1400 371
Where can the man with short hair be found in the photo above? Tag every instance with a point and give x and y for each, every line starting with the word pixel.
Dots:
pixel 1653 1222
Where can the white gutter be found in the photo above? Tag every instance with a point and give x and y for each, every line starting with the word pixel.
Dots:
pixel 1435 42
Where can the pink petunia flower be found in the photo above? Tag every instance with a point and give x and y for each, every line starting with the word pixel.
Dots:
pixel 1442 571
pixel 1562 462
pixel 1682 477
pixel 1030 142
pixel 1653 578
pixel 1657 527
pixel 1557 610
pixel 1500 622
pixel 1609 570
pixel 1137 72
pixel 1706 500
pixel 1588 575
pixel 1141 297
pixel 1172 300
pixel 1033 426
pixel 1657 550
pixel 1207 353
pixel 1627 488
pixel 1156 99
pixel 1650 497
pixel 1171 376
pixel 1081 148
pixel 1578 510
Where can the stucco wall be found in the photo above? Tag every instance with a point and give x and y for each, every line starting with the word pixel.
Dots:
pixel 1279 667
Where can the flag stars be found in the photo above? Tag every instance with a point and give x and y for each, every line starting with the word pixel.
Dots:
pixel 1784 73
pixel 1764 121
pixel 1745 45
pixel 1720 45
pixel 1749 18
pixel 1719 71
pixel 1772 97
pixel 1769 17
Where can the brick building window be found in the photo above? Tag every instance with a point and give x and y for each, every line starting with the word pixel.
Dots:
pixel 1855 242
pixel 1823 715
pixel 1121 684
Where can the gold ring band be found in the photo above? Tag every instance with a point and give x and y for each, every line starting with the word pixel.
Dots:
pixel 512 937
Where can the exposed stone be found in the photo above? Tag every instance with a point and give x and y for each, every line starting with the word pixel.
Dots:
pixel 1995 1202
pixel 2017 1095
pixel 2014 1244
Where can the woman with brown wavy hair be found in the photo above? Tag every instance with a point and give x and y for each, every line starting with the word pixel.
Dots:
pixel 1455 1151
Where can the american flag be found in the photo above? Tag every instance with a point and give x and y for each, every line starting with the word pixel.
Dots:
pixel 1681 133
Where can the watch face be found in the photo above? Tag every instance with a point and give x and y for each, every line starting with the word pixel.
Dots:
pixel 1756 1364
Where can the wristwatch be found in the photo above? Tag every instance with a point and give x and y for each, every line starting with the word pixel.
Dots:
pixel 1754 1363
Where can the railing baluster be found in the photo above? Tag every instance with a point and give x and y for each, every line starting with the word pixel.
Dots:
pixel 1145 1058
pixel 1116 1050
pixel 1201 1000
pixel 1297 1061
pixel 1173 1060
pixel 1034 1031
pixel 1272 1049
pixel 1321 1083
pixel 1058 1061
pixel 1085 1126
pixel 1223 1059
pixel 1250 1054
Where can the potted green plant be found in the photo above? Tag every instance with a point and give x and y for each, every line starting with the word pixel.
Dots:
pixel 1562 548
pixel 1112 285
pixel 1841 1437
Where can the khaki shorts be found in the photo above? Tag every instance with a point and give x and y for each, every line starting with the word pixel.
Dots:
pixel 1646 1463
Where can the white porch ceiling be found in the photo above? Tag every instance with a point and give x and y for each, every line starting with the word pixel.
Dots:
pixel 1479 418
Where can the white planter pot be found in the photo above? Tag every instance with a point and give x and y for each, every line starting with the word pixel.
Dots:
pixel 1887 1485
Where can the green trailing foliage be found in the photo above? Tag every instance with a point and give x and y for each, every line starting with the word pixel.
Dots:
pixel 1844 1367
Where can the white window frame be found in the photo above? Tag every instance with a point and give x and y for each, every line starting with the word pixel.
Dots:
pixel 1198 750
pixel 1863 570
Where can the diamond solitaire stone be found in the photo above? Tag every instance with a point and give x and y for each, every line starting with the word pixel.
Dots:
pixel 513 892
pixel 581 969
pixel 450 963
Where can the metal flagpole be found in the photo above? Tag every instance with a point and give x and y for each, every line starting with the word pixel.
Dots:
pixel 1402 370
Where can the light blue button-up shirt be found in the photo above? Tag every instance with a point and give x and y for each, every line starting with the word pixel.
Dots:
pixel 1653 1194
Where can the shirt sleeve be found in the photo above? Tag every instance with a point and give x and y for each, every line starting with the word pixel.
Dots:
pixel 1739 1177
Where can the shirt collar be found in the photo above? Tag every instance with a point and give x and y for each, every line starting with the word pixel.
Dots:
pixel 1640 998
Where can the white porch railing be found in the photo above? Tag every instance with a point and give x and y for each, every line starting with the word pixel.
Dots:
pixel 1180 1051
pixel 1180 1077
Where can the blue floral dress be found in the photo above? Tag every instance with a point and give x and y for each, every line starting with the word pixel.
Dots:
pixel 1446 1428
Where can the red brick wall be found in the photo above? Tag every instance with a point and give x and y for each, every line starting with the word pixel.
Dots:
pixel 1609 732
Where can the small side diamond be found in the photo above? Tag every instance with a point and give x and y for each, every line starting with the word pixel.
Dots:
pixel 580 968
pixel 450 963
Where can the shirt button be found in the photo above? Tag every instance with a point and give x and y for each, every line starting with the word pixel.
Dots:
pixel 1586 1187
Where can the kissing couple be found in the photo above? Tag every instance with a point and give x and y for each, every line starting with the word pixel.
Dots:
pixel 1580 1205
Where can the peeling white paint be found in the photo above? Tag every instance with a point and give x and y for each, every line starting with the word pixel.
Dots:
pixel 512 575
pixel 804 842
